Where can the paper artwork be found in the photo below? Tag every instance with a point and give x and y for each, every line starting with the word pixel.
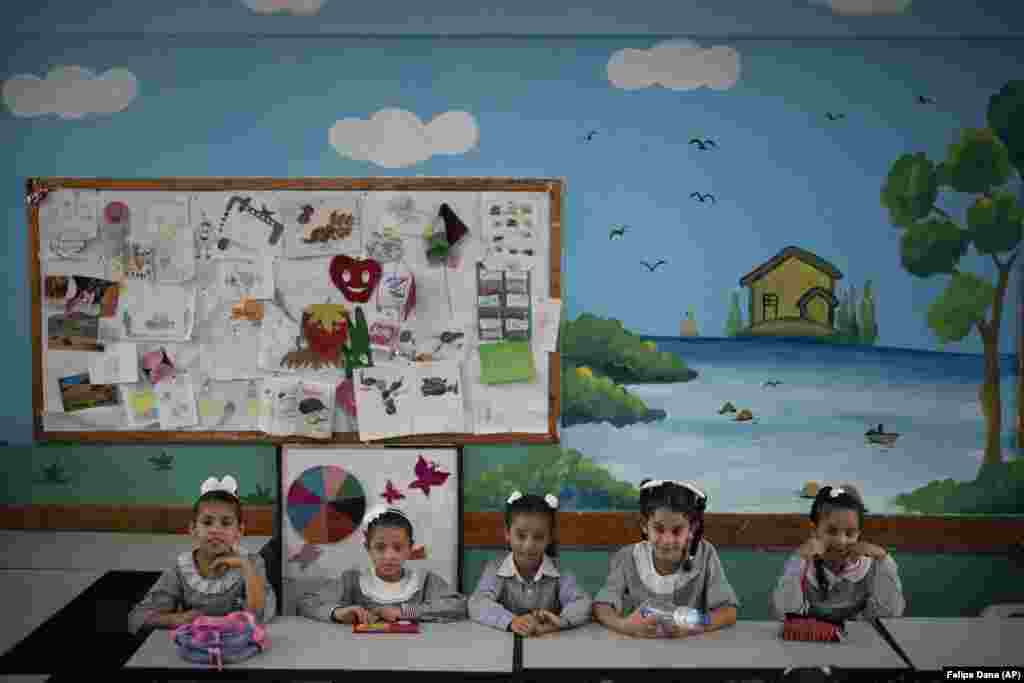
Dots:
pixel 118 364
pixel 78 393
pixel 74 332
pixel 318 226
pixel 176 402
pixel 140 404
pixel 158 311
pixel 513 230
pixel 297 407
pixel 81 294
pixel 397 400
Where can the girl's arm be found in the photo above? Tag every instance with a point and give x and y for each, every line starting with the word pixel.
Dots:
pixel 340 592
pixel 886 598
pixel 259 594
pixel 788 595
pixel 159 609
pixel 607 604
pixel 719 597
pixel 576 602
pixel 483 606
pixel 440 603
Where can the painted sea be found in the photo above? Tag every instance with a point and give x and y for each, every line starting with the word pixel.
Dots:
pixel 810 426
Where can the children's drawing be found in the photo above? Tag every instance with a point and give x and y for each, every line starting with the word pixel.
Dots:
pixel 356 278
pixel 75 332
pixel 248 310
pixel 140 404
pixel 246 279
pixel 298 407
pixel 325 327
pixel 252 225
pixel 440 402
pixel 396 295
pixel 171 238
pixel 384 336
pixel 385 246
pixel 428 475
pixel 80 294
pixel 140 262
pixel 382 397
pixel 318 226
pixel 176 402
pixel 116 365
pixel 513 229
pixel 77 393
pixel 158 311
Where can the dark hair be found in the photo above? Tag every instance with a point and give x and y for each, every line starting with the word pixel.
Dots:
pixel 676 498
pixel 847 498
pixel 218 497
pixel 392 518
pixel 533 504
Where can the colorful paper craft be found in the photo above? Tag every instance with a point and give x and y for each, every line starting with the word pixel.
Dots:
pixel 506 361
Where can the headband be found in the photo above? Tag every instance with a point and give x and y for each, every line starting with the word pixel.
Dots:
pixel 836 492
pixel 685 484
pixel 376 512
pixel 551 500
pixel 227 484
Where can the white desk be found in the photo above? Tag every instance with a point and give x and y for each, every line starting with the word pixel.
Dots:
pixel 746 645
pixel 931 644
pixel 301 645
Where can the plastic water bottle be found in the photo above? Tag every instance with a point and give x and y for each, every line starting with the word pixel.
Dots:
pixel 668 614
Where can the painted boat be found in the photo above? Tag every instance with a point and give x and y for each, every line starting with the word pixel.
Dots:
pixel 882 438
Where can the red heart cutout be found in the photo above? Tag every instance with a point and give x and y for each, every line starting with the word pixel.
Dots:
pixel 362 277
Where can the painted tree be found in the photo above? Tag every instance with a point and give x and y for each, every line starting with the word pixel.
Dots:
pixel 734 324
pixel 851 333
pixel 1006 117
pixel 978 163
pixel 868 322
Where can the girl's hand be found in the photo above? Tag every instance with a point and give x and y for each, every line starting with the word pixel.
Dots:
pixel 353 614
pixel 547 622
pixel 524 625
pixel 639 627
pixel 811 548
pixel 871 550
pixel 186 617
pixel 225 562
pixel 676 631
pixel 388 614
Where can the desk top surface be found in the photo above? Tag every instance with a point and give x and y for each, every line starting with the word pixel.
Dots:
pixel 746 645
pixel 932 643
pixel 297 643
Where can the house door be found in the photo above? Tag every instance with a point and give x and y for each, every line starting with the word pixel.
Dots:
pixel 770 306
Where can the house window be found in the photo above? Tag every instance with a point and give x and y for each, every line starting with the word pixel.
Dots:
pixel 770 305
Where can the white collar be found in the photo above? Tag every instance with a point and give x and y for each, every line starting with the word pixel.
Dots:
pixel 643 558
pixel 383 591
pixel 508 568
pixel 853 573
pixel 200 584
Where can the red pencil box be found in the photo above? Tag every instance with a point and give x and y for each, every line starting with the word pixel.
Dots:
pixel 385 627
pixel 805 628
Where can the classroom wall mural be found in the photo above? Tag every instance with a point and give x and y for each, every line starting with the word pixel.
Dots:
pixel 786 262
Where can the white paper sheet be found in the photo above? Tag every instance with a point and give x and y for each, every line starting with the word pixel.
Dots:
pixel 140 403
pixel 547 318
pixel 246 279
pixel 385 401
pixel 439 398
pixel 117 364
pixel 176 402
pixel 158 311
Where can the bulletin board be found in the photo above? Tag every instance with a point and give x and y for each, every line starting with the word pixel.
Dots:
pixel 408 311
pixel 326 492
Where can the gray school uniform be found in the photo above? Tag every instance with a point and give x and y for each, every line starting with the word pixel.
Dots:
pixel 870 589
pixel 632 579
pixel 420 594
pixel 183 588
pixel 502 594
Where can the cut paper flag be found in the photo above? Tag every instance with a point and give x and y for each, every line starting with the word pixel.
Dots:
pixel 446 232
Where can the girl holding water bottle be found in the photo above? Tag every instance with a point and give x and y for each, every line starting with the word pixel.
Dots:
pixel 671 584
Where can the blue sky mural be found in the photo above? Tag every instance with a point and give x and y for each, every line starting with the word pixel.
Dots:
pixel 808 105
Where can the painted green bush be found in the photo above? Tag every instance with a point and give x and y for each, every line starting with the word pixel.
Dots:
pixel 579 483
pixel 609 349
pixel 998 489
pixel 587 397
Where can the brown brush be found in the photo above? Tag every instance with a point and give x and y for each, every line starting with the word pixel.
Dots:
pixel 804 628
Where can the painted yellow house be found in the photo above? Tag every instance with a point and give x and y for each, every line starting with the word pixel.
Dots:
pixel 792 294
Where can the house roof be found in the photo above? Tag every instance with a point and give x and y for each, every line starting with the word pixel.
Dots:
pixel 796 252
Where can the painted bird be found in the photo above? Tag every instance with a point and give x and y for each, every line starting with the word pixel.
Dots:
pixel 589 136
pixel 618 232
pixel 703 144
pixel 391 494
pixel 924 99
pixel 703 197
pixel 657 263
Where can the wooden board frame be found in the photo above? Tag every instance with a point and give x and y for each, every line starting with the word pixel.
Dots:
pixel 551 186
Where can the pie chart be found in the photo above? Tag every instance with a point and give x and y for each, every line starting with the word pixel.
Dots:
pixel 326 504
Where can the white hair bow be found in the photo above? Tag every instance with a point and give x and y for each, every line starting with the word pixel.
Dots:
pixel 516 495
pixel 836 491
pixel 228 484
pixel 552 501
pixel 685 484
